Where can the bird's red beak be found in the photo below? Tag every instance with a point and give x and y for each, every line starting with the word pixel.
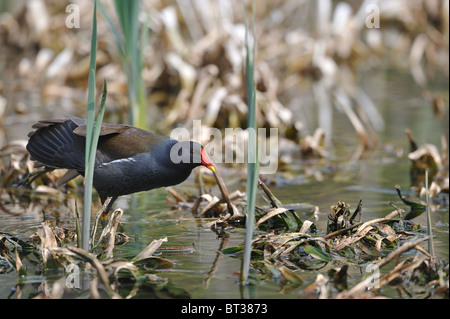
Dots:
pixel 206 162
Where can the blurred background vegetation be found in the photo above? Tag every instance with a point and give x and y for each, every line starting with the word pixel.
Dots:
pixel 310 57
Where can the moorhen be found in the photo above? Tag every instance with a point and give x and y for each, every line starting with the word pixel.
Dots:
pixel 128 159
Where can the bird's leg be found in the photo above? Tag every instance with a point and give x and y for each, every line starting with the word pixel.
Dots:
pixel 104 218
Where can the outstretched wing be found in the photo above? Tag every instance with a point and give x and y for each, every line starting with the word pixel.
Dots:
pixel 61 143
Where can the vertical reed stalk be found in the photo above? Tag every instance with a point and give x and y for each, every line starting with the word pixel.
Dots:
pixel 253 158
pixel 131 47
pixel 91 136
pixel 89 174
pixel 430 234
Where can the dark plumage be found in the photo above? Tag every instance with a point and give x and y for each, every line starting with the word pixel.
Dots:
pixel 128 159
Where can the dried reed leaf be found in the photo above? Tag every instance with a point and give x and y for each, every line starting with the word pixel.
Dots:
pixel 316 253
pixel 232 210
pixel 98 266
pixel 427 152
pixel 114 222
pixel 149 250
pixel 271 213
pixel 175 194
pixel 362 285
pixel 361 228
pixel 48 241
pixel 21 271
pixel 290 275
pixel 347 241
pixel 388 231
pixel 306 225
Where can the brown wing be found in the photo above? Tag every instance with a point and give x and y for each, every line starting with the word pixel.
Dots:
pixel 45 123
pixel 129 142
pixel 60 142
pixel 119 140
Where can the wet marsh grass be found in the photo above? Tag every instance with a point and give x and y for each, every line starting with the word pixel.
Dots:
pixel 282 250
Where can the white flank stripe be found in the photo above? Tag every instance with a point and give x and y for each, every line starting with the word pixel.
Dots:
pixel 121 160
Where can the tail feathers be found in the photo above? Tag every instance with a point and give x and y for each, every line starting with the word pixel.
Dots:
pixel 55 145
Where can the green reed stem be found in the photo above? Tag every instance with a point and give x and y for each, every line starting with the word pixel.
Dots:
pixel 430 234
pixel 253 158
pixel 131 47
pixel 92 134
